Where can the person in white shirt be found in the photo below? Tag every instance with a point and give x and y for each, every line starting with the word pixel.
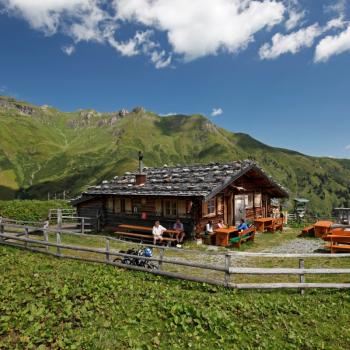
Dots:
pixel 157 231
pixel 209 229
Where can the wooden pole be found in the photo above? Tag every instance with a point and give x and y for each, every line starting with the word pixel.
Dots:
pixel 301 276
pixel 82 225
pixel 46 238
pixel 161 256
pixel 227 269
pixel 59 219
pixel 26 236
pixel 107 249
pixel 58 241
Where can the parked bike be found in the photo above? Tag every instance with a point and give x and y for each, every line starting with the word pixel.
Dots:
pixel 137 260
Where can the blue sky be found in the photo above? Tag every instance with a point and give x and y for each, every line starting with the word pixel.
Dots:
pixel 277 70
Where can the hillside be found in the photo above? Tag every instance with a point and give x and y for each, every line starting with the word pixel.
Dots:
pixel 45 150
pixel 47 303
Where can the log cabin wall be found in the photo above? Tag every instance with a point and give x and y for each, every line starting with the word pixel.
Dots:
pixel 145 211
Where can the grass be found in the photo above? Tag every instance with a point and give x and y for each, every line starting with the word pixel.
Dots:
pixel 47 303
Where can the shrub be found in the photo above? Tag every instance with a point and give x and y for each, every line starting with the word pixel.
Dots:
pixel 29 210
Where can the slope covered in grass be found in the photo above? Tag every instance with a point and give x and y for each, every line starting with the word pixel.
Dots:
pixel 43 150
pixel 47 303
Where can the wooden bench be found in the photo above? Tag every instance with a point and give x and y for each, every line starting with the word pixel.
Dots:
pixel 337 238
pixel 276 225
pixel 339 247
pixel 308 231
pixel 144 237
pixel 243 236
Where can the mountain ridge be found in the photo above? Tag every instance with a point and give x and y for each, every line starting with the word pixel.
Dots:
pixel 44 150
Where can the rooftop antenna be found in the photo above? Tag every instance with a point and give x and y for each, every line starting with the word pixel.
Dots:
pixel 140 162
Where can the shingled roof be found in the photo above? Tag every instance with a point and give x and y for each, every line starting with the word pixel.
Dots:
pixel 203 181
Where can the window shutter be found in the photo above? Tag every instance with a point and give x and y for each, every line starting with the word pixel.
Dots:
pixel 219 205
pixel 128 205
pixel 159 206
pixel 181 208
pixel 204 208
pixel 117 205
pixel 110 203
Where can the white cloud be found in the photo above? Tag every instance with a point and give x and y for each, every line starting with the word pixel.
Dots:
pixel 332 45
pixel 203 27
pixel 216 112
pixel 160 59
pixel 68 50
pixel 45 15
pixel 294 19
pixel 193 28
pixel 295 41
pixel 3 89
pixel 347 147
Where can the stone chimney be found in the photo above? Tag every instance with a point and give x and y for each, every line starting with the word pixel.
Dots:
pixel 141 177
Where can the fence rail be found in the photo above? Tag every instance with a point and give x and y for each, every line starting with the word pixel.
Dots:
pixel 18 236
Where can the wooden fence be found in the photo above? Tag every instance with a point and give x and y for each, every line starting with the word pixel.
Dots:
pixel 18 236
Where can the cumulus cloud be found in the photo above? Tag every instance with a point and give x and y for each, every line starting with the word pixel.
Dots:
pixel 192 29
pixel 216 112
pixel 347 147
pixel 295 41
pixel 68 50
pixel 203 27
pixel 332 45
pixel 295 17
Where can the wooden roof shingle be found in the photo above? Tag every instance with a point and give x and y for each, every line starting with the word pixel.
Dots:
pixel 184 181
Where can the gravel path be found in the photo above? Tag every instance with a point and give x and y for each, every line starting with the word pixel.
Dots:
pixel 297 246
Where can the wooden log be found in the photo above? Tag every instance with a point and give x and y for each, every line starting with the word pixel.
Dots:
pixel 26 231
pixel 302 276
pixel 107 249
pixel 58 245
pixel 285 271
pixel 289 285
pixel 161 257
pixel 227 269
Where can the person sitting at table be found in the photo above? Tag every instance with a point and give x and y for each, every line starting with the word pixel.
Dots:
pixel 157 232
pixel 221 224
pixel 179 228
pixel 209 229
pixel 242 226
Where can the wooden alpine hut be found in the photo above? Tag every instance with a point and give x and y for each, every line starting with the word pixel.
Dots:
pixel 195 194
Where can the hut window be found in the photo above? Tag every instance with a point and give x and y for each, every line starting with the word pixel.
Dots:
pixel 211 206
pixel 257 200
pixel 249 200
pixel 170 208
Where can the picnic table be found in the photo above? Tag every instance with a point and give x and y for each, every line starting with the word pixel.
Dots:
pixel 222 235
pixel 262 223
pixel 144 229
pixel 322 228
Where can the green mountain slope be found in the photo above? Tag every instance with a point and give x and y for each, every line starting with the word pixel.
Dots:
pixel 45 150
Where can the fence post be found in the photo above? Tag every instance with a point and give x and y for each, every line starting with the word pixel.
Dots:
pixel 1 228
pixel 58 241
pixel 46 238
pixel 301 276
pixel 227 268
pixel 26 236
pixel 161 256
pixel 59 219
pixel 107 249
pixel 82 225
